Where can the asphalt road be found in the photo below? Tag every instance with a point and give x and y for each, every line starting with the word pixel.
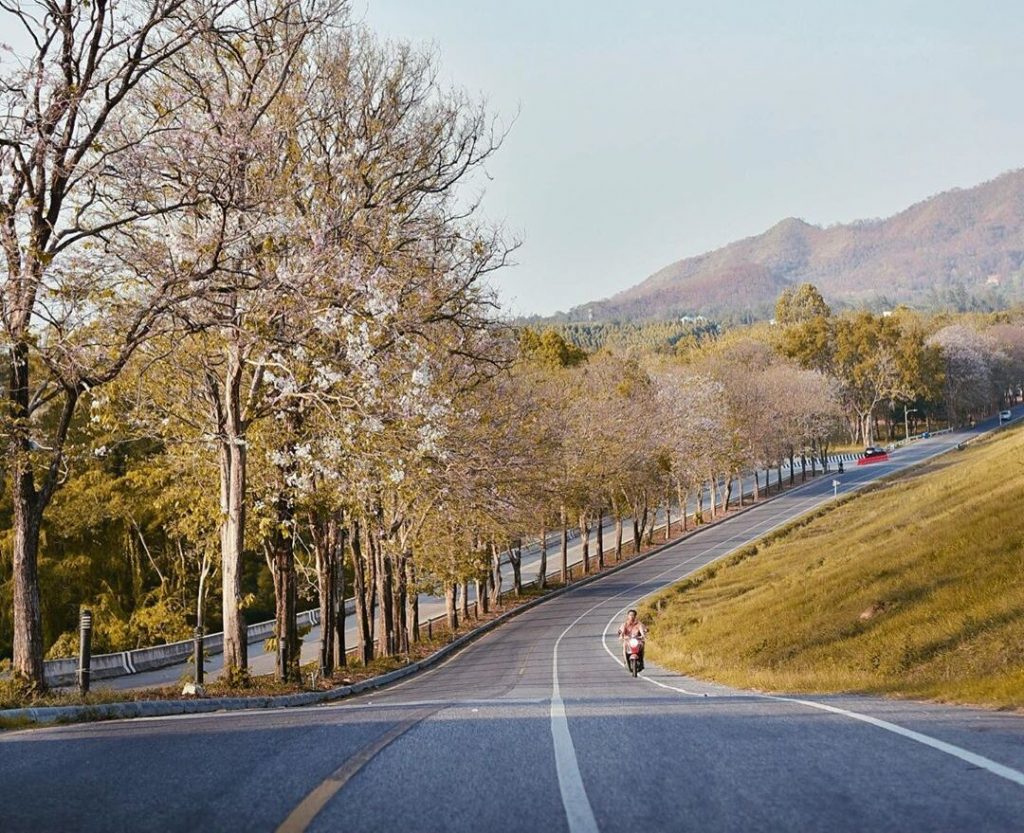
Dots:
pixel 262 661
pixel 537 727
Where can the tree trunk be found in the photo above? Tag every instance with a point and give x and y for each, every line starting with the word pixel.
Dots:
pixel 28 616
pixel 412 600
pixel 495 578
pixel 386 582
pixel 283 543
pixel 618 536
pixel 542 574
pixel 282 597
pixel 668 516
pixel 450 592
pixel 233 460
pixel 370 566
pixel 585 540
pixel 398 607
pixel 515 560
pixel 385 620
pixel 727 495
pixel 464 600
pixel 482 601
pixel 324 533
pixel 681 493
pixel 233 474
pixel 361 590
pixel 600 539
pixel 338 615
pixel 285 629
pixel 29 504
pixel 565 547
pixel 713 502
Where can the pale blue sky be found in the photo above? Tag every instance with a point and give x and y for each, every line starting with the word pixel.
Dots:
pixel 656 130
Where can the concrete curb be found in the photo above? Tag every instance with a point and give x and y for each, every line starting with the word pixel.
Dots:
pixel 167 708
pixel 164 708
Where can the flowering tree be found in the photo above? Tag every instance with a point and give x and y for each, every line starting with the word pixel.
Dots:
pixel 969 359
pixel 233 100
pixel 79 191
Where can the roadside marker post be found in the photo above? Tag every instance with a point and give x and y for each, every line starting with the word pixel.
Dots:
pixel 84 650
pixel 197 655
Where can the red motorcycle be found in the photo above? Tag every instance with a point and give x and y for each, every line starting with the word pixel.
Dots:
pixel 634 650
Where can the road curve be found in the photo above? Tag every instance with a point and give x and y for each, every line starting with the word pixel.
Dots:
pixel 536 727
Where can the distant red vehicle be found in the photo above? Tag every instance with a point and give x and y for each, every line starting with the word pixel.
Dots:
pixel 873 454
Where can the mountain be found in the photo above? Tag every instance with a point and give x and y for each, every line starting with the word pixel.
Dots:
pixel 961 249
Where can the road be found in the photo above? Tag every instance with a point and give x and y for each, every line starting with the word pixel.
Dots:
pixel 262 661
pixel 536 726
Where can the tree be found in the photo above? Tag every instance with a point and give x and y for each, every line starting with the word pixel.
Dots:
pixel 236 93
pixel 801 305
pixel 969 358
pixel 79 188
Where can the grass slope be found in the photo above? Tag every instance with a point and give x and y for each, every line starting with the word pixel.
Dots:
pixel 915 589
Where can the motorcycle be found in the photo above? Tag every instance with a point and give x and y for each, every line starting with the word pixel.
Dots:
pixel 634 646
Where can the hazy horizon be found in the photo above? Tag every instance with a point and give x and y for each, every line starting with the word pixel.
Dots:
pixel 663 132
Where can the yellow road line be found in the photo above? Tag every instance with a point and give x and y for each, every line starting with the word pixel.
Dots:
pixel 302 816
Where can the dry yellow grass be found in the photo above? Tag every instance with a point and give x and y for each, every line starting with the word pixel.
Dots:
pixel 913 589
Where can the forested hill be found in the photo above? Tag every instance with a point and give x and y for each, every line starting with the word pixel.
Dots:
pixel 961 250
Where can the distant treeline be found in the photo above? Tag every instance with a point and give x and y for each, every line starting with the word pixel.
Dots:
pixel 667 337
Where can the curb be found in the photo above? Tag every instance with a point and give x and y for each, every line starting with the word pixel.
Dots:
pixel 44 715
pixel 165 708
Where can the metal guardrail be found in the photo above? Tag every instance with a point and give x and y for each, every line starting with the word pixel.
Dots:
pixel 63 672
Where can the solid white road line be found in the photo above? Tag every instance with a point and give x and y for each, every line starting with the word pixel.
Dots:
pixel 1003 771
pixel 813 503
pixel 578 811
pixel 980 761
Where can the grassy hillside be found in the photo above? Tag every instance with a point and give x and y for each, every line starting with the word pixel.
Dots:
pixel 913 589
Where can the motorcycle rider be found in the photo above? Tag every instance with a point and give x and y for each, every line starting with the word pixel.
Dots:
pixel 630 628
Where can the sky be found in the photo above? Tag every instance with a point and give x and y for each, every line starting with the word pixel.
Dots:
pixel 651 131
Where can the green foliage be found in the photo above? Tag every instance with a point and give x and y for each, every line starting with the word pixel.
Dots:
pixel 549 349
pixel 14 693
pixel 664 337
pixel 796 306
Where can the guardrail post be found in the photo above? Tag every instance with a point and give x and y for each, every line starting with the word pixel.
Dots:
pixel 197 654
pixel 84 650
pixel 430 628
